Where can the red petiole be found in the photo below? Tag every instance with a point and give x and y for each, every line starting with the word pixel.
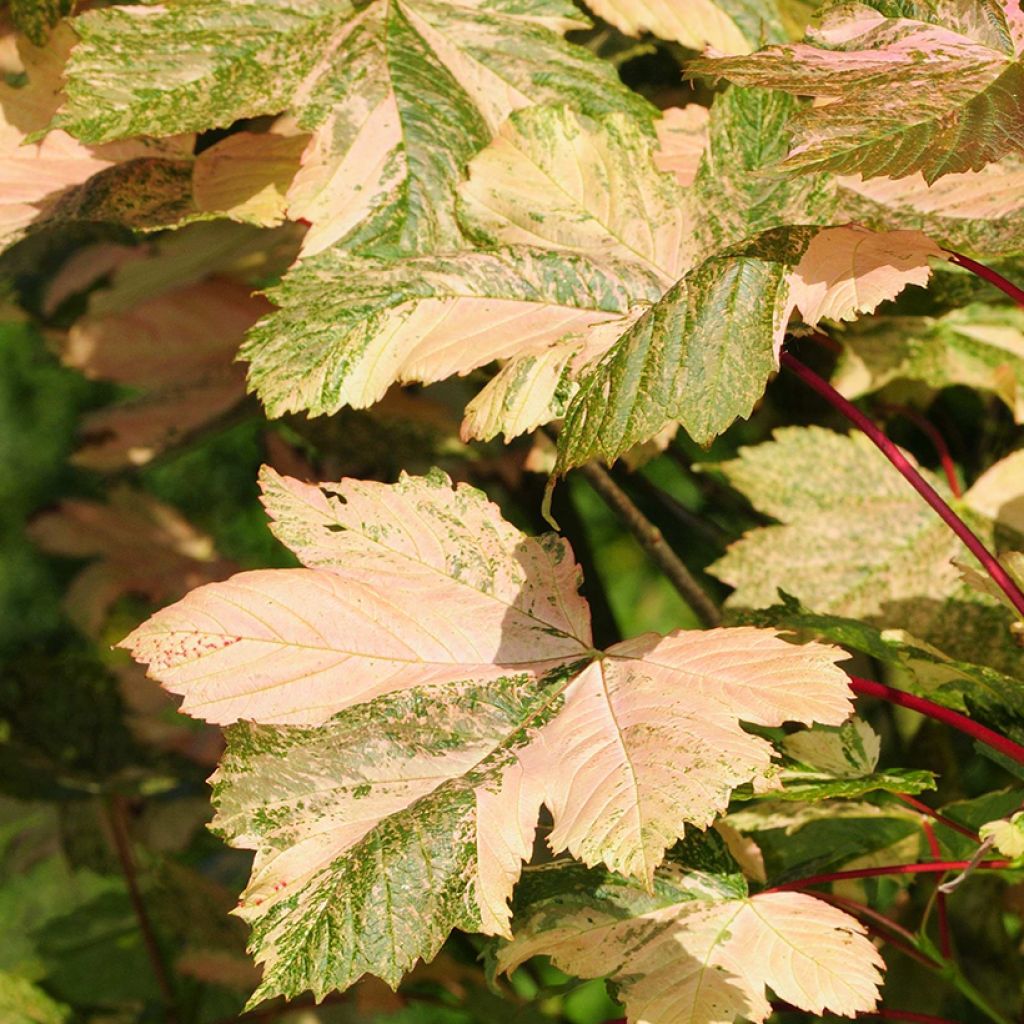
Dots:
pixel 988 274
pixel 911 475
pixel 922 705
pixel 921 868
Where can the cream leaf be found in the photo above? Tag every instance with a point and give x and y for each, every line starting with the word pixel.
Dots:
pixel 689 954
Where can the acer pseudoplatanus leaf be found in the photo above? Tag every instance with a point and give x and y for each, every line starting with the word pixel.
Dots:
pixel 409 698
pixel 397 97
pixel 900 87
pixel 696 948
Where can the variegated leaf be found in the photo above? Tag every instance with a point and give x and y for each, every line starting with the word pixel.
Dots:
pixel 425 585
pixel 697 949
pixel 398 96
pixel 349 328
pixel 445 659
pixel 854 540
pixel 731 26
pixel 978 346
pixel 898 90
pixel 980 212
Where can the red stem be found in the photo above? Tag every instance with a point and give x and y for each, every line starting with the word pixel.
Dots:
pixel 911 475
pixel 988 274
pixel 868 688
pixel 945 939
pixel 935 816
pixel 922 868
pixel 929 429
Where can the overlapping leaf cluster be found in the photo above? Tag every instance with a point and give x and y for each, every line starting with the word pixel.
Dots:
pixel 427 189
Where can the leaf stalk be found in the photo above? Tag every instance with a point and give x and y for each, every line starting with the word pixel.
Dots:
pixel 892 452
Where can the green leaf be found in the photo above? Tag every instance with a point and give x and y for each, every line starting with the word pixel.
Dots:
pixel 36 17
pixel 854 540
pixel 398 96
pixel 21 1002
pixel 701 355
pixel 977 346
pixel 902 88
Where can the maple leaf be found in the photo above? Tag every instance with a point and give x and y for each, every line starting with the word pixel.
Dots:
pixel 698 949
pixel 140 546
pixel 981 212
pixel 573 245
pixel 682 139
pixel 729 27
pixel 854 541
pixel 976 345
pixel 703 354
pixel 41 180
pixel 398 96
pixel 445 662
pixel 897 91
pixel 169 328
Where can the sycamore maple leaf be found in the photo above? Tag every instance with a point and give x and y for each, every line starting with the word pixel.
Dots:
pixel 168 326
pixel 976 345
pixel 853 540
pixel 397 96
pixel 435 670
pixel 696 949
pixel 703 354
pixel 898 90
pixel 140 546
pixel 59 177
pixel 980 212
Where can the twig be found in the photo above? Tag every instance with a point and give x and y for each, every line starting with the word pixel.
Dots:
pixel 947 716
pixel 652 541
pixel 933 434
pixel 122 843
pixel 945 937
pixel 973 864
pixel 912 476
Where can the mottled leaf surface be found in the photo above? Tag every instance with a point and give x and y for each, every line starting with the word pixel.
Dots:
pixel 854 540
pixel 445 661
pixel 696 948
pixel 900 88
pixel 398 96
pixel 977 345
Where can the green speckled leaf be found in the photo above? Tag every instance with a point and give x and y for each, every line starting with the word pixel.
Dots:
pixel 695 949
pixel 378 833
pixel 37 17
pixel 703 354
pixel 348 328
pixel 423 684
pixel 399 94
pixel 854 540
pixel 935 90
pixel 977 346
